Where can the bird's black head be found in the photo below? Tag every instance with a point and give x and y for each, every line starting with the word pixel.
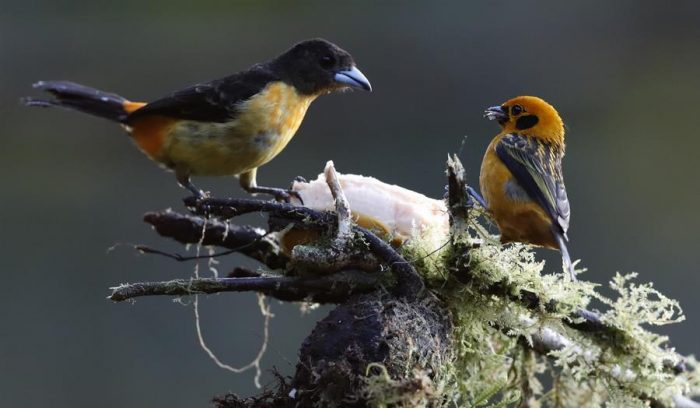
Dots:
pixel 318 66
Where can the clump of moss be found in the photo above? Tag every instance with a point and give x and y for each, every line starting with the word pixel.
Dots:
pixel 494 334
pixel 381 390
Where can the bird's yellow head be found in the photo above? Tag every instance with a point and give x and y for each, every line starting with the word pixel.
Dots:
pixel 530 116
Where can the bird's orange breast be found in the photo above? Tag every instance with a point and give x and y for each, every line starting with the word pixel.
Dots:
pixel 519 218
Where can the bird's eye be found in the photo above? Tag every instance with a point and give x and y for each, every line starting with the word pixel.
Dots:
pixel 516 110
pixel 327 61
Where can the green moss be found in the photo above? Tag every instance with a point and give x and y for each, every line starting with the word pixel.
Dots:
pixel 427 254
pixel 416 390
pixel 490 366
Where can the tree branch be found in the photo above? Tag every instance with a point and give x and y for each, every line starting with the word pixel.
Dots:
pixel 336 288
pixel 408 283
pixel 187 229
pixel 547 340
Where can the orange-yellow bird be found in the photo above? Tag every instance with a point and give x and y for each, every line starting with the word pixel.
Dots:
pixel 521 176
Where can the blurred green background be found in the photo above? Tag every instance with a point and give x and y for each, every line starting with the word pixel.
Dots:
pixel 624 76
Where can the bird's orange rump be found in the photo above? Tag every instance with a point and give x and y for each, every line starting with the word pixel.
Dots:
pixel 151 133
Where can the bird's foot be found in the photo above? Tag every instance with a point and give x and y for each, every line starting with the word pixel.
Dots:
pixel 285 196
pixel 469 203
pixel 196 200
pixel 201 195
pixel 279 194
pixel 473 195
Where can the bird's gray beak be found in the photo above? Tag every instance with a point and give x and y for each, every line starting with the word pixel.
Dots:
pixel 354 78
pixel 496 113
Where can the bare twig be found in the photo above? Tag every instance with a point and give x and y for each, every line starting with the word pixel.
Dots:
pixel 179 257
pixel 247 240
pixel 335 288
pixel 342 207
pixel 227 208
pixel 457 198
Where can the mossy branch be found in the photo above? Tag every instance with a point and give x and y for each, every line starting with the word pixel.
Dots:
pixel 596 346
pixel 472 323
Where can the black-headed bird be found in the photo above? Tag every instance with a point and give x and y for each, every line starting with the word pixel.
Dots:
pixel 521 175
pixel 226 127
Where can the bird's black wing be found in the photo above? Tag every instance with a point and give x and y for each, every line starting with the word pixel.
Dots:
pixel 536 166
pixel 214 101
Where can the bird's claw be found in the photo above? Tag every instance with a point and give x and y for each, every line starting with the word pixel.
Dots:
pixel 285 196
pixel 472 196
pixel 201 195
pixel 195 201
pixel 469 203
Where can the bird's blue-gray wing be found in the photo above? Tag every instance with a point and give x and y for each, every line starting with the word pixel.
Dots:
pixel 536 167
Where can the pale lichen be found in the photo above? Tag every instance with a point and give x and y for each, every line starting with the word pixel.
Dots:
pixel 494 331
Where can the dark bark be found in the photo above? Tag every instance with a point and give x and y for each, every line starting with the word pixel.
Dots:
pixel 404 337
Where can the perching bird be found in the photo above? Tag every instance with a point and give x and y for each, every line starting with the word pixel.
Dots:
pixel 521 175
pixel 229 126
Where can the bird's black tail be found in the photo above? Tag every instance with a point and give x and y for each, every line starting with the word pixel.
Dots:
pixel 70 95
